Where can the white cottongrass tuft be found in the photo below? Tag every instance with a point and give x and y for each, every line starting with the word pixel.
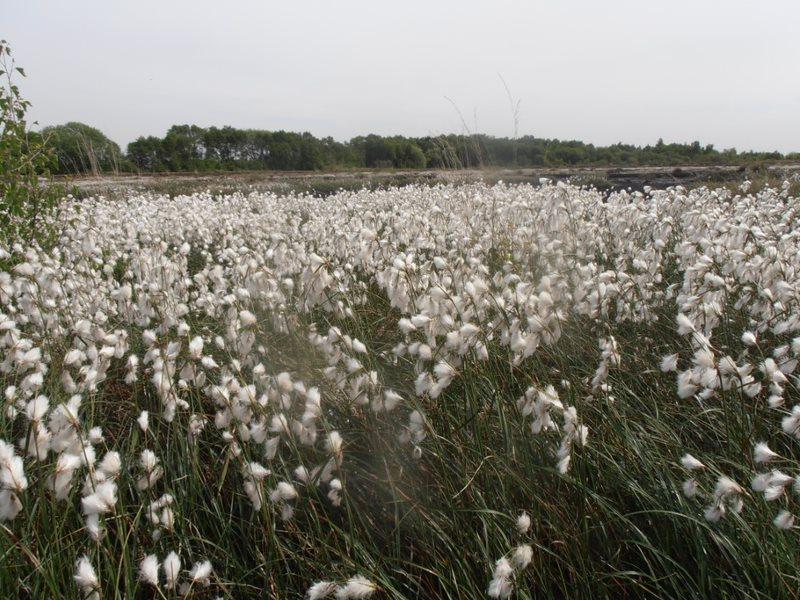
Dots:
pixel 690 488
pixel 522 556
pixel 171 568
pixel 143 420
pixel 784 520
pixel 523 523
pixel 320 589
pixel 669 363
pixel 86 578
pixel 148 570
pixel 357 587
pixel 762 453
pixel 201 572
pixel 12 473
pixel 685 324
pixel 749 338
pixel 690 463
pixel 501 585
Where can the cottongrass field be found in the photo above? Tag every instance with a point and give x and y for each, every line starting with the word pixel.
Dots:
pixel 422 392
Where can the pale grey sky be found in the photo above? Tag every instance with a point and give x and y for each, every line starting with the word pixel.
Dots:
pixel 722 72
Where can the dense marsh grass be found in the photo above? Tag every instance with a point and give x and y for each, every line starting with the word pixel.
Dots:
pixel 367 292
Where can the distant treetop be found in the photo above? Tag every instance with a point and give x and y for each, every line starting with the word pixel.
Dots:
pixel 84 149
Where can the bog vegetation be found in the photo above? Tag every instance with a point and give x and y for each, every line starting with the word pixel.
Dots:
pixel 419 392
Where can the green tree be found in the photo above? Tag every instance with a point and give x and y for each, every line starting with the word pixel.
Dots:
pixel 409 156
pixel 23 158
pixel 310 157
pixel 183 147
pixel 378 151
pixel 188 147
pixel 145 153
pixel 80 148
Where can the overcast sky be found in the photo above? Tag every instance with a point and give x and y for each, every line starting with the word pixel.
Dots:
pixel 726 73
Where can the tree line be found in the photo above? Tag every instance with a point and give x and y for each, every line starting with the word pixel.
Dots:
pixel 79 148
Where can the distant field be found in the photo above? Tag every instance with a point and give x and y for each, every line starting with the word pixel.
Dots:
pixel 452 391
pixel 328 182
